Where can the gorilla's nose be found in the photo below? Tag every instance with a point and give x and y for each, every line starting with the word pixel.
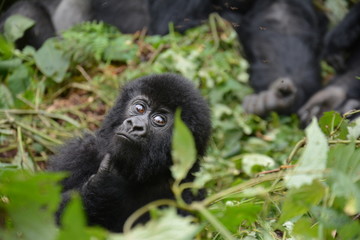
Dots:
pixel 137 126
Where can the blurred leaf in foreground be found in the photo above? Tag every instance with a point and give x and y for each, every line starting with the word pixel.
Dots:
pixel 183 148
pixel 169 226
pixel 30 202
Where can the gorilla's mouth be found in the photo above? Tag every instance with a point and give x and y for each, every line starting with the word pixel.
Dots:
pixel 126 137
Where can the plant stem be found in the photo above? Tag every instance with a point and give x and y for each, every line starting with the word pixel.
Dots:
pixel 238 188
pixel 141 211
pixel 215 222
pixel 297 147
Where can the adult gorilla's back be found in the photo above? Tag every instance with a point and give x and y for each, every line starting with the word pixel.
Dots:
pixel 125 164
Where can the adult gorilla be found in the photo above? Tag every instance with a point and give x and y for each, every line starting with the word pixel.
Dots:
pixel 342 51
pixel 282 41
pixel 125 164
pixel 54 16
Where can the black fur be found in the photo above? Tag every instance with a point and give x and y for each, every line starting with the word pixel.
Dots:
pixel 282 41
pixel 54 16
pixel 342 51
pixel 139 172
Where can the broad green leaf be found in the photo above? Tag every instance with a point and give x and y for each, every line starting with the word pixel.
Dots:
pixel 52 61
pixel 329 121
pixel 6 98
pixel 350 231
pixel 183 148
pixel 344 162
pixel 305 229
pixel 31 202
pixel 73 223
pixel 234 215
pixel 10 64
pixel 169 226
pixel 15 26
pixel 6 48
pixel 19 80
pixel 299 200
pixel 312 162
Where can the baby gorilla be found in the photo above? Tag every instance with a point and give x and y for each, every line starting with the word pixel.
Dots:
pixel 125 164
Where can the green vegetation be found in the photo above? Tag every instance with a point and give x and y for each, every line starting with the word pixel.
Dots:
pixel 266 178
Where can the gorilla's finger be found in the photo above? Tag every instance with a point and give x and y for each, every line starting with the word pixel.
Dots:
pixel 259 107
pixel 105 164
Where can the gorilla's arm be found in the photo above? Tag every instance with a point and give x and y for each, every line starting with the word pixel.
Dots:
pixel 280 97
pixel 343 38
pixel 108 198
pixel 342 95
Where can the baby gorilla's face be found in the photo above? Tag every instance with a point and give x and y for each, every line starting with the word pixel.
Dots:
pixel 142 142
pixel 144 122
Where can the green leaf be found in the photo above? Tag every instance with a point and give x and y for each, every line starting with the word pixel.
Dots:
pixel 6 48
pixel 169 226
pixel 6 98
pixel 121 49
pixel 52 61
pixel 233 216
pixel 10 64
pixel 299 200
pixel 15 27
pixel 344 162
pixel 354 130
pixel 312 162
pixel 183 149
pixel 73 224
pixel 305 229
pixel 250 160
pixel 19 80
pixel 31 202
pixel 329 121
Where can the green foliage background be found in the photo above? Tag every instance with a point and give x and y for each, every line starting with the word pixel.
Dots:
pixel 266 178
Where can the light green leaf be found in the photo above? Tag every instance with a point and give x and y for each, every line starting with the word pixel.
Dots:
pixel 312 162
pixel 183 148
pixel 354 130
pixel 52 61
pixel 169 226
pixel 299 200
pixel 31 204
pixel 251 160
pixel 15 26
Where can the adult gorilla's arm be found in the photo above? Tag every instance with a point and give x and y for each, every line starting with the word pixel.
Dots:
pixel 342 38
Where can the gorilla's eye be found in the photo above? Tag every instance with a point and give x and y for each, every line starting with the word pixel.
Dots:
pixel 159 120
pixel 140 108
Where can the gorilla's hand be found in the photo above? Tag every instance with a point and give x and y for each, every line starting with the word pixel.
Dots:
pixel 279 97
pixel 327 99
pixel 103 174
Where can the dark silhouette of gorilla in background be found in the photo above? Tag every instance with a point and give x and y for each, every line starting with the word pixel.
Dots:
pixel 125 164
pixel 342 51
pixel 282 42
pixel 129 16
